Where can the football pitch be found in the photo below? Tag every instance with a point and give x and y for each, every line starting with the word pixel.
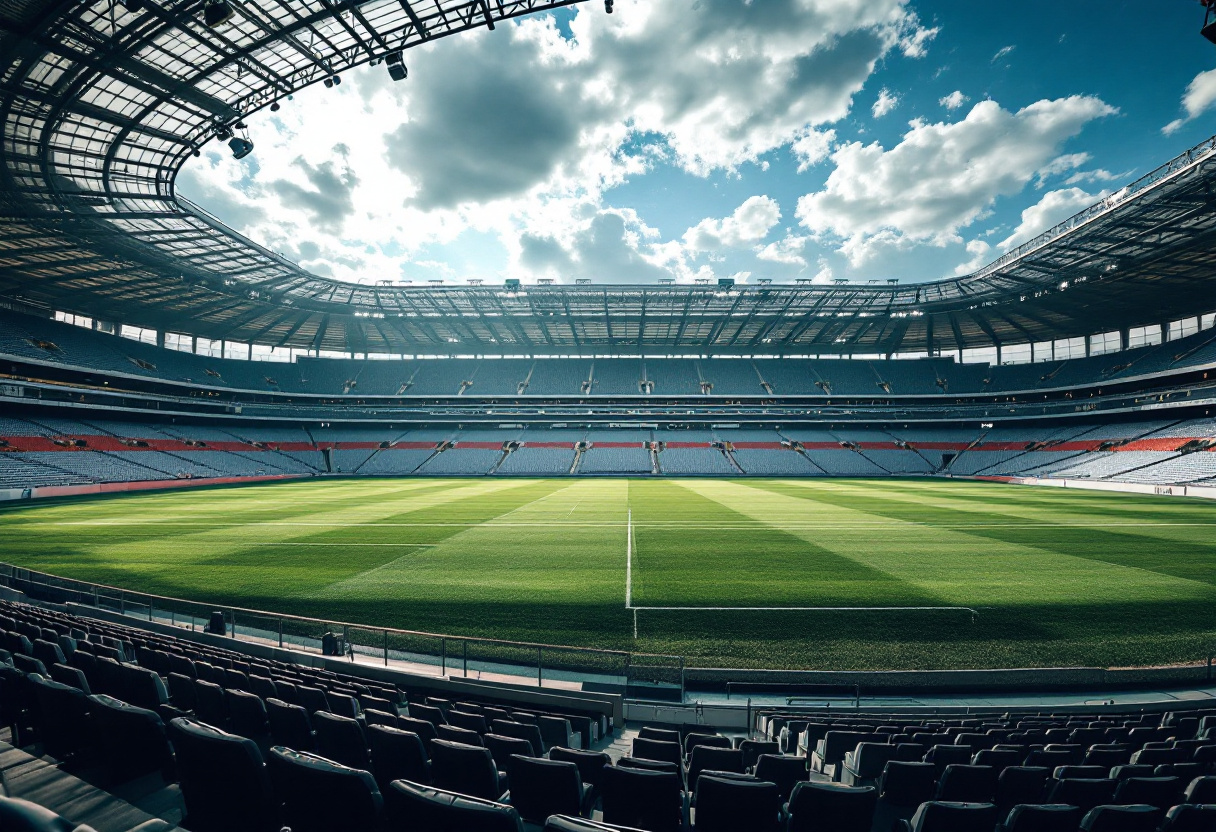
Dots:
pixel 816 573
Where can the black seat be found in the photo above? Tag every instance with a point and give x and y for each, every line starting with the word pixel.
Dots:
pixel 290 726
pixel 224 782
pixel 590 764
pixel 831 806
pixel 786 772
pixel 709 740
pixel 59 715
pixel 1084 793
pixel 466 769
pixel 397 755
pixel 967 784
pixel 712 758
pixel 312 699
pixel 555 731
pixel 1162 792
pixel 247 717
pixel 144 688
pixel 1201 790
pixel 1021 784
pixel 130 741
pixel 1190 817
pixel 540 787
pixel 418 808
pixel 562 823
pixel 664 734
pixel 752 749
pixel 425 730
pixel 729 804
pixel 1131 818
pixel 373 716
pixel 210 705
pixel 320 795
pixel 341 739
pixel 907 784
pixel 48 653
pixel 429 713
pixel 1042 817
pixel 947 755
pixel 650 800
pixel 71 676
pixel 942 816
pixel 462 735
pixel 520 730
pixel 23 816
pixel 181 692
pixel 661 750
pixel 501 748
pixel 470 722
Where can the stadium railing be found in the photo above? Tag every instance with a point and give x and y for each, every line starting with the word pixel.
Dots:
pixel 642 675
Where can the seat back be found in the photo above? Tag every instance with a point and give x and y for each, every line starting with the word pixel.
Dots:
pixel 752 749
pixel 661 750
pixel 1084 793
pixel 341 739
pixel 501 748
pixel 224 783
pixel 662 734
pixel 414 806
pixel 712 758
pixel 469 722
pixel 521 731
pixel 708 740
pixel 466 769
pixel 397 755
pixel 427 712
pixel 1162 792
pixel 590 763
pixel 816 805
pixel 650 800
pixel 1043 817
pixel 60 715
pixel 907 784
pixel 729 804
pixel 131 741
pixel 944 816
pixel 462 735
pixel 540 787
pixel 1130 818
pixel 18 815
pixel 1190 817
pixel 211 706
pixel 785 772
pixel 967 784
pixel 320 795
pixel 247 716
pixel 555 731
pixel 290 726
pixel 1021 784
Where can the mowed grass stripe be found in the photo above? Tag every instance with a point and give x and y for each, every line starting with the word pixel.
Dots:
pixel 755 564
pixel 952 565
pixel 1186 552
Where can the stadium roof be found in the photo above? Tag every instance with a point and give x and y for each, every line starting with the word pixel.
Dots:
pixel 102 105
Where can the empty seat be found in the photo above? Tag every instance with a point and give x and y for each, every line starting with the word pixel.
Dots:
pixel 752 749
pixel 1201 790
pixel 411 806
pixel 1021 784
pixel 462 735
pixel 1190 817
pixel 467 769
pixel 663 734
pixel 23 816
pixel 864 764
pixel 907 784
pixel 555 731
pixel 729 804
pixel 650 800
pixel 712 758
pixel 1042 817
pixel 1082 772
pixel 590 764
pixel 397 755
pixel 320 795
pixel 131 742
pixel 831 806
pixel 998 758
pixel 711 740
pixel 247 717
pixel 563 823
pixel 70 676
pixel 289 725
pixel 1132 818
pixel 312 699
pixel 427 712
pixel 1162 792
pixel 941 816
pixel 967 784
pixel 341 739
pixel 661 750
pixel 425 730
pixel 947 755
pixel 521 731
pixel 467 721
pixel 59 715
pixel 501 748
pixel 211 706
pixel 224 783
pixel 48 653
pixel 540 787
pixel 786 772
pixel 1084 793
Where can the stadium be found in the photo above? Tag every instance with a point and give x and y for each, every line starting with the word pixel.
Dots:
pixel 280 550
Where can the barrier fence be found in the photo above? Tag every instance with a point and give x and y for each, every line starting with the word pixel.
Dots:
pixel 635 674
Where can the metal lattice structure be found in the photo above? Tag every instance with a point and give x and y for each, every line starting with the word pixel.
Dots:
pixel 102 101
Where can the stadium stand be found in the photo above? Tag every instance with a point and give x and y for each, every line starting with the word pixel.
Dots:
pixel 222 766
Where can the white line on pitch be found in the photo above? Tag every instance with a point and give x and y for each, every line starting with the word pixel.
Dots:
pixel 805 609
pixel 702 526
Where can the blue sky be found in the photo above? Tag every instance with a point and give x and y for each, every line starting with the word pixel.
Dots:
pixel 698 139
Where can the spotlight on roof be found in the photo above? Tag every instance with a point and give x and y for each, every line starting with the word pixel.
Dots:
pixel 332 81
pixel 1209 20
pixel 223 134
pixel 274 106
pixel 240 147
pixel 608 6
pixel 396 69
pixel 134 6
pixel 216 13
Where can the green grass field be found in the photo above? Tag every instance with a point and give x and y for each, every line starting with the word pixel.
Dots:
pixel 1057 577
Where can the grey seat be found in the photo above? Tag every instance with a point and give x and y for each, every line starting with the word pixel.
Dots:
pixel 541 787
pixel 320 795
pixel 397 755
pixel 224 783
pixel 815 805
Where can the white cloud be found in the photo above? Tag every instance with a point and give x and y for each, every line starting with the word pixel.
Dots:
pixel 886 102
pixel 940 177
pixel 1200 95
pixel 1003 52
pixel 1052 209
pixel 749 224
pixel 954 100
pixel 813 148
pixel 789 251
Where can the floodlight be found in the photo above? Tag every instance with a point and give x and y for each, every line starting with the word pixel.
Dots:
pixel 396 69
pixel 240 147
pixel 608 6
pixel 1209 20
pixel 274 106
pixel 134 6
pixel 216 13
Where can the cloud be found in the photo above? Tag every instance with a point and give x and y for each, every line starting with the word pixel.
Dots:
pixel 1199 97
pixel 327 196
pixel 940 177
pixel 749 224
pixel 813 148
pixel 1052 209
pixel 954 100
pixel 1003 52
pixel 608 250
pixel 885 103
